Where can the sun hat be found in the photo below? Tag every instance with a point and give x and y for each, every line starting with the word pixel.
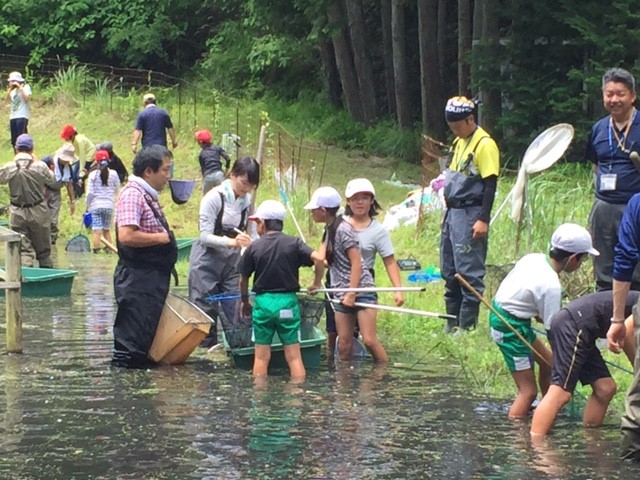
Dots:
pixel 324 197
pixel 66 153
pixel 24 142
pixel 458 108
pixel 203 136
pixel 101 155
pixel 16 77
pixel 149 97
pixel 67 132
pixel 269 210
pixel 359 185
pixel 573 238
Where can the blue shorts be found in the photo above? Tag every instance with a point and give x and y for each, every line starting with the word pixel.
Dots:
pixel 101 218
pixel 368 298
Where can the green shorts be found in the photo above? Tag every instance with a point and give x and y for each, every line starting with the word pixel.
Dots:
pixel 276 312
pixel 517 355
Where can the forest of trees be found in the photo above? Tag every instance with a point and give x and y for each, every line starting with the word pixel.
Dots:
pixel 533 63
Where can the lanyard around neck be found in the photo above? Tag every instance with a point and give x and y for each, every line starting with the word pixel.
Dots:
pixel 621 141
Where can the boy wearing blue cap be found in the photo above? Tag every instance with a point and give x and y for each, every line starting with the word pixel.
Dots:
pixel 274 260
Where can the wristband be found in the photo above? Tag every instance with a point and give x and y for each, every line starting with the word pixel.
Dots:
pixel 616 321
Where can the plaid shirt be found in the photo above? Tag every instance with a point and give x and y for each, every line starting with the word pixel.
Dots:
pixel 132 209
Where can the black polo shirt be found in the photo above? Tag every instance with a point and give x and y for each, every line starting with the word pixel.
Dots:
pixel 275 258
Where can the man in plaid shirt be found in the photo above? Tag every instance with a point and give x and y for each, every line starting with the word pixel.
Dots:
pixel 147 253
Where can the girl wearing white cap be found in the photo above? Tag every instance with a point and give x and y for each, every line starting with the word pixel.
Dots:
pixel 341 249
pixel 19 94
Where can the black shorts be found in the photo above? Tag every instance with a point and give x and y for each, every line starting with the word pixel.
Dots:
pixel 575 354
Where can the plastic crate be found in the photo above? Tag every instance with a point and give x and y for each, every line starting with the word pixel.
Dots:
pixel 45 282
pixel 184 248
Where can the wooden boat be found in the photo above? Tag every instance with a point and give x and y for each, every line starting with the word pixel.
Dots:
pixel 44 282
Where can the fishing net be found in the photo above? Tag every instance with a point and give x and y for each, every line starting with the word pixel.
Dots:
pixel 181 190
pixel 78 244
pixel 434 157
pixel 311 311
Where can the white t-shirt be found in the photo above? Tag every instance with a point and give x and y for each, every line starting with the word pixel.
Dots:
pixel 19 107
pixel 102 196
pixel 374 239
pixel 531 289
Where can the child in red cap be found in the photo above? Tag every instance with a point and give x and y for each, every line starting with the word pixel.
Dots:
pixel 210 163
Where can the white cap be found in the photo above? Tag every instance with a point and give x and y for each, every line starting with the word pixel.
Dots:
pixel 324 197
pixel 573 238
pixel 269 210
pixel 359 185
pixel 16 77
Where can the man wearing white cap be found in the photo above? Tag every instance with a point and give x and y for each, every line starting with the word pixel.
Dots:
pixel 18 94
pixel 274 260
pixel 151 125
pixel 469 190
pixel 532 290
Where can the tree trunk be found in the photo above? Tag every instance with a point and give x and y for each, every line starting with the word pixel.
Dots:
pixel 492 97
pixel 331 74
pixel 430 87
pixel 387 54
pixel 400 63
pixel 442 38
pixel 464 45
pixel 344 62
pixel 364 72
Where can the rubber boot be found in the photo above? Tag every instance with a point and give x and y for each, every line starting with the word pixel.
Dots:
pixel 469 315
pixel 452 309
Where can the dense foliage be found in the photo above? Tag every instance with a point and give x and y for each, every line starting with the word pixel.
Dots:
pixel 533 63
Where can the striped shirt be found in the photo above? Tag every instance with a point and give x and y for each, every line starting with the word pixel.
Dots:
pixel 132 209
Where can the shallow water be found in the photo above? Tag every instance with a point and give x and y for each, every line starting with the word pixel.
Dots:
pixel 66 414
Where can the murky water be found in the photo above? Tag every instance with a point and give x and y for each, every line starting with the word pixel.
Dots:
pixel 66 414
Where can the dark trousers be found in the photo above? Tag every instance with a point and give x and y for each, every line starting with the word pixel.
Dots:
pixel 604 221
pixel 18 126
pixel 460 253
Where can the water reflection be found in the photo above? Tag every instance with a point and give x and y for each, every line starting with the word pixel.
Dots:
pixel 67 414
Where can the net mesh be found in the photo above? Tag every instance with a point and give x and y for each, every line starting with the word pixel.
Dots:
pixel 78 244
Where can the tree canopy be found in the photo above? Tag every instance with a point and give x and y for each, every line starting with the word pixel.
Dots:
pixel 532 63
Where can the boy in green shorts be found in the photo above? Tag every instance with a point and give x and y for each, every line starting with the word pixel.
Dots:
pixel 532 290
pixel 274 260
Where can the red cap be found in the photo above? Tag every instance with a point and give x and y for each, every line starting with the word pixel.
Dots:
pixel 102 155
pixel 203 136
pixel 68 131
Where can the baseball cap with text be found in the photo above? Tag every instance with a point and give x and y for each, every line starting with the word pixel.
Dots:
pixel 573 238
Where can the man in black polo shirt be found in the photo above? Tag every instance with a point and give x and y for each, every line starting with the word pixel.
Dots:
pixel 275 259
pixel 573 334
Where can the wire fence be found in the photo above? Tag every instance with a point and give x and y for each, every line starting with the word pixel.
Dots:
pixel 192 106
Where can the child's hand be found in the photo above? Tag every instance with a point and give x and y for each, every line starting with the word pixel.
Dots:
pixel 349 299
pixel 312 290
pixel 243 240
pixel 246 308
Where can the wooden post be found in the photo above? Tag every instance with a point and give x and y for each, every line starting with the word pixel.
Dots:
pixel 14 298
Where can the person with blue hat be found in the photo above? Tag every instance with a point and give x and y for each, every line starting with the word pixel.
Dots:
pixel 27 178
pixel 470 186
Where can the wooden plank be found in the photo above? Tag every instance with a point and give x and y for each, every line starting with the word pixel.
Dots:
pixel 14 299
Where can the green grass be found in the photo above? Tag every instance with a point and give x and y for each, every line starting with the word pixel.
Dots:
pixel 560 194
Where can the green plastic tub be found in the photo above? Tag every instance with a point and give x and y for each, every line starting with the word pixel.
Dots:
pixel 45 282
pixel 184 248
pixel 312 341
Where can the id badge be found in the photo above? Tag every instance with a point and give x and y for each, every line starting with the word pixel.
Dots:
pixel 608 181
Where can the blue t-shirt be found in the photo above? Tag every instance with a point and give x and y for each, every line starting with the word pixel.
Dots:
pixel 604 150
pixel 153 122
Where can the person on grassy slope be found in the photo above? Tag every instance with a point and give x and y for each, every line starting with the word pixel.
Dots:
pixel 85 151
pixel 19 94
pixel 274 260
pixel 532 290
pixel 210 161
pixel 115 162
pixel 152 125
pixel 573 334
